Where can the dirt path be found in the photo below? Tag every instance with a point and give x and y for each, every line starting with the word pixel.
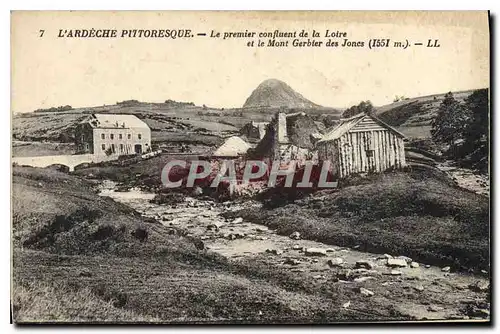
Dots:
pixel 423 292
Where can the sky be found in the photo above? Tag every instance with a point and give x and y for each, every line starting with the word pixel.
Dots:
pixel 51 71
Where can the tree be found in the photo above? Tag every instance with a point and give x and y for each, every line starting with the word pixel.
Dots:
pixel 475 148
pixel 364 107
pixel 450 121
pixel 477 104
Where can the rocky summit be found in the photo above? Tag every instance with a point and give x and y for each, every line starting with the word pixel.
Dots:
pixel 276 93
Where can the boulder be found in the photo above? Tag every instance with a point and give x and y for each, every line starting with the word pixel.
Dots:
pixel 394 263
pixel 414 265
pixel 406 258
pixel 446 269
pixel 364 264
pixel 344 275
pixel 212 227
pixel 395 273
pixel 363 279
pixel 335 262
pixel 419 287
pixel 297 247
pixel 365 292
pixel 295 235
pixel 237 220
pixel 315 252
pixel 274 251
pixel 293 262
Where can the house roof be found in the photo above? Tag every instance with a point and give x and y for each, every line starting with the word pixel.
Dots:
pixel 348 123
pixel 232 147
pixel 116 121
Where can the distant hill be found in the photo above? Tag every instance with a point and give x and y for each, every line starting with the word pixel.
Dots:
pixel 275 93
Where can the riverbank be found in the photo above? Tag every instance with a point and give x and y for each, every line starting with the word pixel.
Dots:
pixel 409 290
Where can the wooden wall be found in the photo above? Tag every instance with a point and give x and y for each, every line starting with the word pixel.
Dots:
pixel 364 150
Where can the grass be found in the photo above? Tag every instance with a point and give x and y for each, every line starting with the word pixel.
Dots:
pixel 35 149
pixel 76 258
pixel 42 302
pixel 414 214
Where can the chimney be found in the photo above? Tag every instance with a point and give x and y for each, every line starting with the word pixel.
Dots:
pixel 281 128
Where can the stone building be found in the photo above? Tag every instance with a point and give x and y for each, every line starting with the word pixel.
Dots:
pixel 288 137
pixel 362 144
pixel 254 130
pixel 112 134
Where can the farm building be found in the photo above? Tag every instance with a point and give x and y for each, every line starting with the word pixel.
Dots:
pixel 362 144
pixel 112 134
pixel 288 137
pixel 254 130
pixel 233 147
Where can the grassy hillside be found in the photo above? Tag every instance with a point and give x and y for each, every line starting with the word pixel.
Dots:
pixel 413 116
pixel 418 214
pixel 81 257
pixel 171 123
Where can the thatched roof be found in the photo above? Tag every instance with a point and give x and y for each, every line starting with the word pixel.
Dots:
pixel 232 147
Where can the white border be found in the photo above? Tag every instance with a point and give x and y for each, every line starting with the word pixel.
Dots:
pixel 6 6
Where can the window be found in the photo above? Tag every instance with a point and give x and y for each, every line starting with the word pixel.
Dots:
pixel 139 136
pixel 121 147
pixel 113 148
pixel 129 136
pixel 112 136
pixel 120 136
pixel 103 136
pixel 103 146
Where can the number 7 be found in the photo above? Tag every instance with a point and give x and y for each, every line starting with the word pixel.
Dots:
pixel 41 32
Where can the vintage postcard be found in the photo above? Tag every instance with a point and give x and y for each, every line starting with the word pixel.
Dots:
pixel 204 167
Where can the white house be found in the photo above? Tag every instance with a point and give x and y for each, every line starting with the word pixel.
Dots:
pixel 113 134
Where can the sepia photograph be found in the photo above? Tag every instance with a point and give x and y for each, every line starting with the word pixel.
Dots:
pixel 250 167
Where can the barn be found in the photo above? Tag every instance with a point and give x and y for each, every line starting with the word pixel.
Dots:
pixel 362 144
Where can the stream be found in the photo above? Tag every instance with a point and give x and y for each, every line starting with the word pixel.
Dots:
pixel 417 290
